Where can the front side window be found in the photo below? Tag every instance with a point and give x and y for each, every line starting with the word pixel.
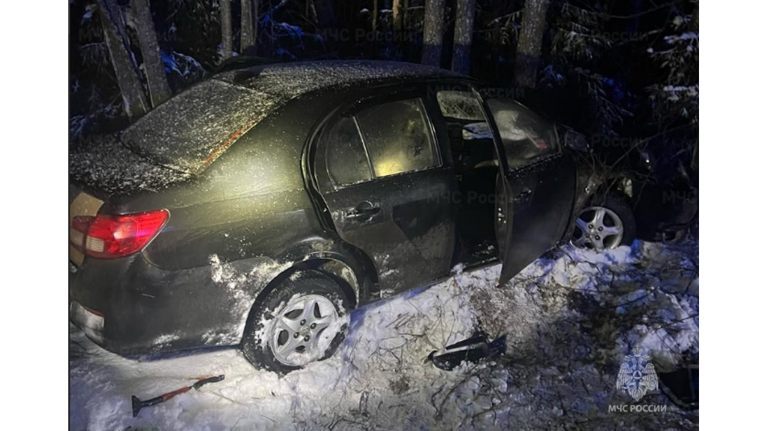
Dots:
pixel 525 135
pixel 461 105
pixel 383 140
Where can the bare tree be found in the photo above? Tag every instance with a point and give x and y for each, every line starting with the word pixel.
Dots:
pixel 462 38
pixel 374 14
pixel 397 15
pixel 249 12
pixel 225 9
pixel 529 42
pixel 134 100
pixel 433 32
pixel 159 91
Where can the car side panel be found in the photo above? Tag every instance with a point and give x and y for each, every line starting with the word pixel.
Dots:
pixel 411 238
pixel 231 232
pixel 148 309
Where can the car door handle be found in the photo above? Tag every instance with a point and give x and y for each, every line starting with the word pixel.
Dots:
pixel 363 211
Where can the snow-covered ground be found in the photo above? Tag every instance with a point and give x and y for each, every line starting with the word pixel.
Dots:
pixel 570 318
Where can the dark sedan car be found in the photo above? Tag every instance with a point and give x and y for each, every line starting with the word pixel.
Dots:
pixel 260 206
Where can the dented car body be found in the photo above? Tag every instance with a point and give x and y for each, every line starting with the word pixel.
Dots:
pixel 383 176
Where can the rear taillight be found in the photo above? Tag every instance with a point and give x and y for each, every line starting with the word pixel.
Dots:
pixel 111 236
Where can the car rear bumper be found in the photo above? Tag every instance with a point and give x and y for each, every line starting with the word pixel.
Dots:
pixel 89 321
pixel 131 307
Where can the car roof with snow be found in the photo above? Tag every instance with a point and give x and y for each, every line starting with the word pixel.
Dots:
pixel 192 129
pixel 295 79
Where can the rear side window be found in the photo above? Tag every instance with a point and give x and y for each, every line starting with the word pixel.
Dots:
pixel 383 140
pixel 397 137
pixel 344 153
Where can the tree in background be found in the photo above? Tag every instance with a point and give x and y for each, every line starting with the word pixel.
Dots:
pixel 225 9
pixel 159 91
pixel 677 97
pixel 675 101
pixel 135 102
pixel 433 32
pixel 326 13
pixel 462 39
pixel 374 15
pixel 397 16
pixel 580 37
pixel 606 68
pixel 530 41
pixel 249 24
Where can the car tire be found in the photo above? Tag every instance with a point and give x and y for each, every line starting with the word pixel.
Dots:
pixel 617 214
pixel 267 341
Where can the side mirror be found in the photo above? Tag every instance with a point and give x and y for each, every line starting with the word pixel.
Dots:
pixel 576 141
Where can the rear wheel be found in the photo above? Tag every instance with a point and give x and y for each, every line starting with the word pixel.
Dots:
pixel 300 321
pixel 605 225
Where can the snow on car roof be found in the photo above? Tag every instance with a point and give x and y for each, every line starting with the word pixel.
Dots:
pixel 192 129
pixel 294 79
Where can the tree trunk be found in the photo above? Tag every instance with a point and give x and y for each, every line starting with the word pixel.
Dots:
pixel 374 15
pixel 635 11
pixel 462 39
pixel 397 16
pixel 694 23
pixel 405 15
pixel 225 8
pixel 255 15
pixel 433 32
pixel 247 27
pixel 529 43
pixel 312 12
pixel 134 100
pixel 159 91
pixel 326 13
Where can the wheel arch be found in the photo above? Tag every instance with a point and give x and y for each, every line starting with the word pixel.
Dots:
pixel 353 273
pixel 590 186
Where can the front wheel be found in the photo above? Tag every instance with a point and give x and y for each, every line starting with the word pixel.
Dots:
pixel 605 225
pixel 300 321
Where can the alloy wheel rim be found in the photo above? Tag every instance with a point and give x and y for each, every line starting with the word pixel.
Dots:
pixel 598 228
pixel 300 333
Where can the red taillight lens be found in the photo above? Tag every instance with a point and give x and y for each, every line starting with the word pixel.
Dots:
pixel 108 236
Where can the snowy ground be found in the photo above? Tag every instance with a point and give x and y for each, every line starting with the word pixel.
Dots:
pixel 570 318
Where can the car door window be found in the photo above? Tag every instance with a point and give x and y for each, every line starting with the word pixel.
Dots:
pixel 344 153
pixel 460 105
pixel 383 140
pixel 525 135
pixel 398 137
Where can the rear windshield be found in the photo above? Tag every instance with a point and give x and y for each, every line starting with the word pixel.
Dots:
pixel 194 128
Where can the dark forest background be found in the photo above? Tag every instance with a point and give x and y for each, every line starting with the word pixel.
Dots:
pixel 622 72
